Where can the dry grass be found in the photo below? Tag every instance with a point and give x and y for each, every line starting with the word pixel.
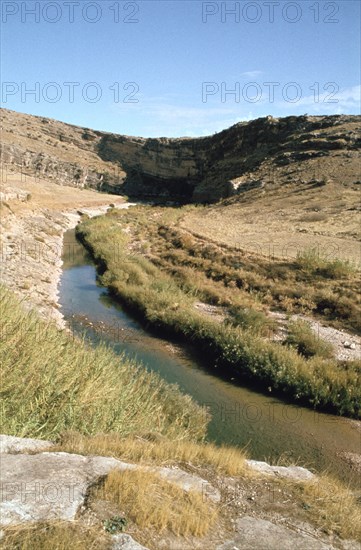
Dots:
pixel 333 506
pixel 49 195
pixel 314 284
pixel 160 451
pixel 307 342
pixel 316 263
pixel 153 503
pixel 54 536
pixel 269 223
pixel 316 217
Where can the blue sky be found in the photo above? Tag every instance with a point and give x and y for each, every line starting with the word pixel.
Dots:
pixel 167 68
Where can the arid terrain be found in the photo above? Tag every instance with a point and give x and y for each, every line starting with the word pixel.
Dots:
pixel 35 213
pixel 286 219
pixel 281 246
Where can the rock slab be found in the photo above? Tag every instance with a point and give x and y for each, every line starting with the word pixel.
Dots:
pixel 296 473
pixel 261 534
pixel 126 542
pixel 48 486
pixel 11 444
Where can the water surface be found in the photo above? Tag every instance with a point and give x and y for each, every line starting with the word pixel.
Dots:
pixel 270 428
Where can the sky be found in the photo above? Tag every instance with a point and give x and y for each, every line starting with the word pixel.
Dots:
pixel 179 68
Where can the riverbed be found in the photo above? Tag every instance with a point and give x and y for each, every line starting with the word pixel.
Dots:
pixel 269 428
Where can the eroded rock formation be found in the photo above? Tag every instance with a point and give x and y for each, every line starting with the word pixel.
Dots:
pixel 247 156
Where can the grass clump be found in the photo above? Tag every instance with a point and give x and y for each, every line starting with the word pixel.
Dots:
pixel 52 382
pixel 54 536
pixel 306 342
pixel 251 319
pixel 154 503
pixel 333 506
pixel 313 262
pixel 152 450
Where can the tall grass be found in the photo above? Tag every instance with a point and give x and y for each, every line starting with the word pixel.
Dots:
pixel 302 337
pixel 315 263
pixel 333 506
pixel 51 383
pixel 252 319
pixel 157 298
pixel 55 536
pixel 227 460
pixel 154 503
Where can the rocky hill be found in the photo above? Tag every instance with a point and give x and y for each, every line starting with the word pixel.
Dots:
pixel 55 151
pixel 248 155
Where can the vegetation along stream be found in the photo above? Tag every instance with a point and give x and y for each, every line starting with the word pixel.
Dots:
pixel 269 428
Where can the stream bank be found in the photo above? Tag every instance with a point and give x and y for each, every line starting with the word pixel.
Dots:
pixel 269 428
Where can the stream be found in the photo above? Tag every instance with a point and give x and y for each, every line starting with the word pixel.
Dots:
pixel 268 427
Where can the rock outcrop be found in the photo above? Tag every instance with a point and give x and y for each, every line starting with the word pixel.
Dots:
pixel 296 473
pixel 38 487
pixel 59 152
pixel 247 156
pixel 11 444
pixel 53 485
pixel 230 162
pixel 259 533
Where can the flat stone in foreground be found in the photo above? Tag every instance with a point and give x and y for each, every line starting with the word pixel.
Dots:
pixel 11 444
pixel 126 542
pixel 48 486
pixel 259 534
pixel 296 473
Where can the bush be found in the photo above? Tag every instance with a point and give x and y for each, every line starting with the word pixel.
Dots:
pixel 251 319
pixel 338 307
pixel 306 342
pixel 314 263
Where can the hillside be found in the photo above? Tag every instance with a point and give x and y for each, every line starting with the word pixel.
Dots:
pixel 262 153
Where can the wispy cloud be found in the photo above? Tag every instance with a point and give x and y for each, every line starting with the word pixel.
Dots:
pixel 335 101
pixel 252 74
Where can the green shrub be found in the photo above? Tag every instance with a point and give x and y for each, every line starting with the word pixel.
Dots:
pixel 306 342
pixel 338 307
pixel 314 263
pixel 251 319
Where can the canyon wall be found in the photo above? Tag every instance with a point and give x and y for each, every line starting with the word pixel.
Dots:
pixel 240 158
pixel 246 156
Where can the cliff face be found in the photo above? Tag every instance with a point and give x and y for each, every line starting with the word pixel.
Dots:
pixel 240 158
pixel 243 157
pixel 155 167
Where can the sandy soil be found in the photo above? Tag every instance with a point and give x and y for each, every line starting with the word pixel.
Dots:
pixel 34 217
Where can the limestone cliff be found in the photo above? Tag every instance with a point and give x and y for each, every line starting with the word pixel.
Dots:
pixel 246 156
pixel 240 158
